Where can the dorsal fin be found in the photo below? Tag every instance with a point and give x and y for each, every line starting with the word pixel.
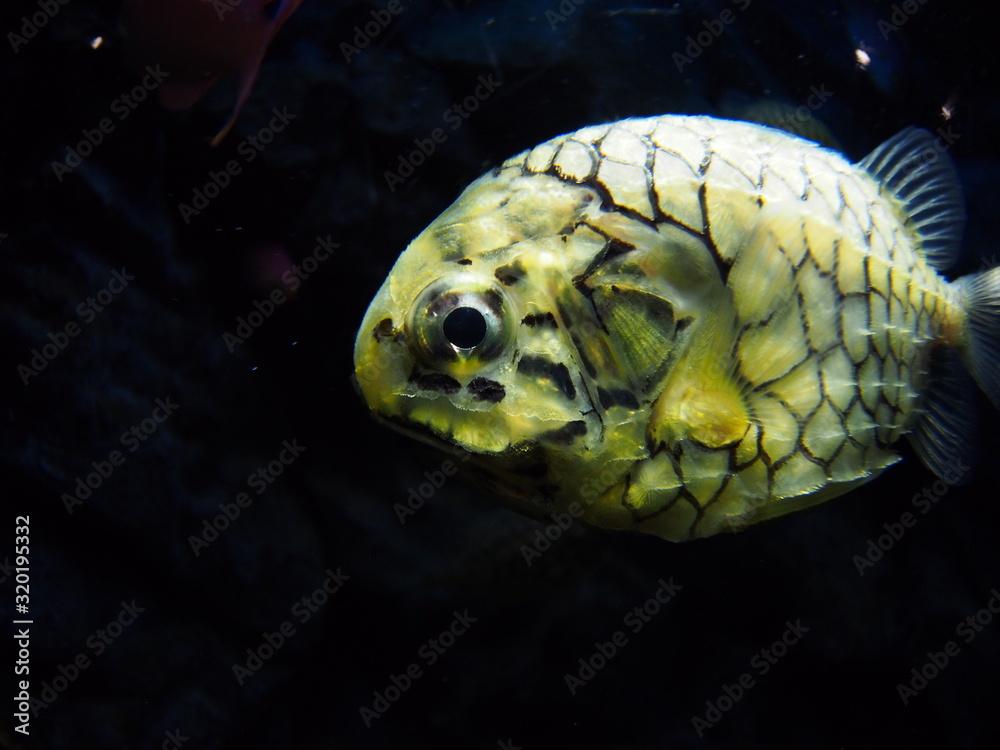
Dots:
pixel 914 167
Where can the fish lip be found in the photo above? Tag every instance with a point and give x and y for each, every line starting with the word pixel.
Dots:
pixel 517 493
pixel 418 432
pixel 510 488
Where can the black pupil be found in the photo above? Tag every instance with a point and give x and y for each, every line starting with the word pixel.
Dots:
pixel 465 327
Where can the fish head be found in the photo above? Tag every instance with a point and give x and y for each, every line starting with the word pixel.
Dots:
pixel 460 347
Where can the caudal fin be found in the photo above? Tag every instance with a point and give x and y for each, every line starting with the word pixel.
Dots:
pixel 943 437
pixel 982 296
pixel 914 167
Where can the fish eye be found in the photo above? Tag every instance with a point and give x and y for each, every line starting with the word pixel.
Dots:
pixel 465 327
pixel 460 323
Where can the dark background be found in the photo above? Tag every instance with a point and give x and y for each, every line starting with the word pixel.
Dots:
pixel 504 679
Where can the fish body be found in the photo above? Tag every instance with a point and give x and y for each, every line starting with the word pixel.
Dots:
pixel 200 41
pixel 684 325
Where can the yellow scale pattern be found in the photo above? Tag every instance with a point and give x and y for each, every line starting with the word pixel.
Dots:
pixel 833 311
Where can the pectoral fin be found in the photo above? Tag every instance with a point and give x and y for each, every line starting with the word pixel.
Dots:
pixel 703 398
pixel 641 326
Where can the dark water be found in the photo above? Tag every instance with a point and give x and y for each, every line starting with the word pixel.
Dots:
pixel 167 672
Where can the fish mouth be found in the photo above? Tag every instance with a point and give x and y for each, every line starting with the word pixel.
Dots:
pixel 420 433
pixel 353 378
pixel 412 430
pixel 511 487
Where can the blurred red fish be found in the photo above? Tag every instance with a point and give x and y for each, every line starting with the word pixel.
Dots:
pixel 201 41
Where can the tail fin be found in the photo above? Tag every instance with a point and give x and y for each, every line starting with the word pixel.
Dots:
pixel 913 167
pixel 982 296
pixel 943 437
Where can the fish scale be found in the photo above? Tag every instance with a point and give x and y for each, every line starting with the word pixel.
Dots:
pixel 743 320
pixel 634 189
